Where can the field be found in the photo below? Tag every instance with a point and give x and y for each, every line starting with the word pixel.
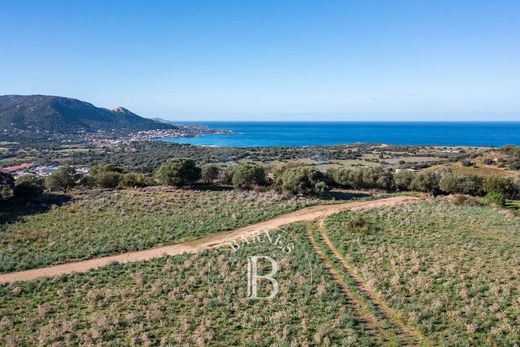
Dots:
pixel 188 300
pixel 118 221
pixel 451 271
pixel 434 272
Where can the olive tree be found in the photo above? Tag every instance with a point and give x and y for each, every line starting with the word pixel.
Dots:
pixel 64 179
pixel 249 176
pixel 301 181
pixel 178 172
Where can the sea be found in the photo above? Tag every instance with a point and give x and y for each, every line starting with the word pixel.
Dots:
pixel 262 134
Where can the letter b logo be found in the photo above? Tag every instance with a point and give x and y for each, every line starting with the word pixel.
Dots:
pixel 252 278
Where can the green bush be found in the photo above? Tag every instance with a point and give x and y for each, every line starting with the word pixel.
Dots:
pixel 210 173
pixel 403 180
pixel 178 172
pixel 107 179
pixel 226 176
pixel 28 187
pixel 301 181
pixel 249 176
pixel 6 185
pixel 496 198
pixel 451 183
pixel 359 224
pixel 64 179
pixel 348 178
pixel 503 185
pixel 106 175
pixel 132 180
pixel 427 181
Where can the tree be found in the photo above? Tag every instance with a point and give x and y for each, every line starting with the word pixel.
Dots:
pixel 28 187
pixel 349 178
pixel 249 176
pixel 105 167
pixel 108 179
pixel 460 184
pixel 302 181
pixel 132 180
pixel 226 176
pixel 385 181
pixel 178 172
pixel 427 181
pixel 6 185
pixel 502 185
pixel 63 179
pixel 106 175
pixel 403 180
pixel 210 173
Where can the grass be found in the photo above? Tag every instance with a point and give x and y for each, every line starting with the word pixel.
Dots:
pixel 514 204
pixel 185 300
pixel 452 271
pixel 483 171
pixel 120 221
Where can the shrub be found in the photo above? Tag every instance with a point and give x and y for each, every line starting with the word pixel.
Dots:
pixel 99 168
pixel 6 185
pixel 63 179
pixel 348 178
pixel 87 181
pixel 496 198
pixel 403 180
pixel 461 200
pixel 249 176
pixel 178 172
pixel 105 175
pixel 28 187
pixel 27 191
pixel 107 179
pixel 209 173
pixel 461 184
pixel 362 225
pixel 427 181
pixel 226 175
pixel 302 180
pixel 513 157
pixel 503 185
pixel 132 180
pixel 385 181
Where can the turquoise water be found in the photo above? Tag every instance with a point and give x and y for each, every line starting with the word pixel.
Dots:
pixel 253 134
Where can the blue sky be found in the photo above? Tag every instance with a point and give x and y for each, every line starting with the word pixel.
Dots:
pixel 270 60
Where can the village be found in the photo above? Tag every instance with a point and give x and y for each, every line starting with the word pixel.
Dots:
pixel 34 169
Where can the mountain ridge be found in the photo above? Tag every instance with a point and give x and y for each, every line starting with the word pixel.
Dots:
pixel 59 114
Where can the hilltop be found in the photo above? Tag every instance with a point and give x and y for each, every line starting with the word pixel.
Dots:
pixel 36 113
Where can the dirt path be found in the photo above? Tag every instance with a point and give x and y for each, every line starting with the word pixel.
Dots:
pixel 411 336
pixel 199 245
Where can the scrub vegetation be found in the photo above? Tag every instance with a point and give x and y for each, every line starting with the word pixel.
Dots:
pixel 453 271
pixel 189 300
pixel 110 222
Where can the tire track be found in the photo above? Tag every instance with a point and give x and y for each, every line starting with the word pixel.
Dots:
pixel 374 327
pixel 410 336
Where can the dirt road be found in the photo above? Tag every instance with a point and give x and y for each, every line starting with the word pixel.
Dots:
pixel 199 245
